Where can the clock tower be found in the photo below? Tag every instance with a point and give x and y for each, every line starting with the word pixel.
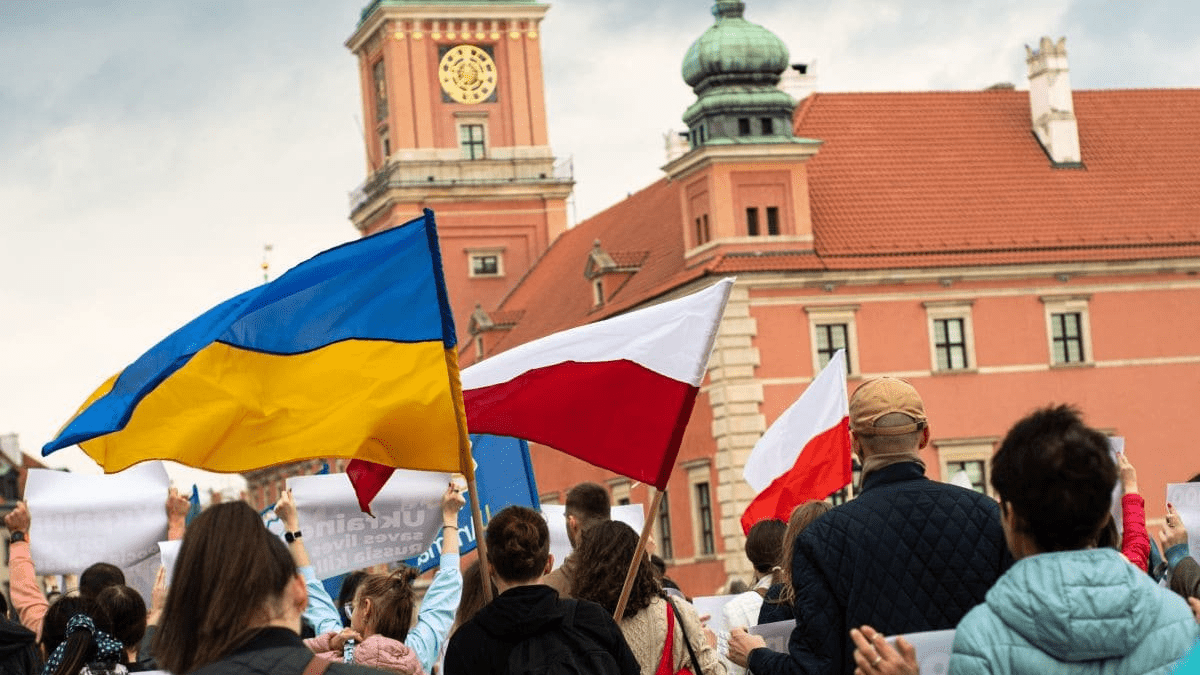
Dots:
pixel 455 120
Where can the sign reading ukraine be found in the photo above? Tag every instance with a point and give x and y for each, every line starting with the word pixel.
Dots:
pixel 349 354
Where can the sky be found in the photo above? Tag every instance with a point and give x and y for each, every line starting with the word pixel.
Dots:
pixel 151 151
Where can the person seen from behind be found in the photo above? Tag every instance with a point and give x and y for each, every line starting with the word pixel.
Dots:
pixel 660 631
pixel 777 604
pixel 528 619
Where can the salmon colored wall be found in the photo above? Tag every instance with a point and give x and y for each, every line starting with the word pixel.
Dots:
pixel 762 189
pixel 1143 401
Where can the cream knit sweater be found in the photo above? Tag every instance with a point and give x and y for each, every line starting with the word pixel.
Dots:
pixel 646 634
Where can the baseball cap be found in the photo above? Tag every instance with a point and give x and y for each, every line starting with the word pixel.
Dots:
pixel 882 396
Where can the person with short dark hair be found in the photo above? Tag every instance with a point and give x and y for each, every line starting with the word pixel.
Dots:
pixel 588 504
pixel 604 559
pixel 1066 606
pixel 98 577
pixel 907 554
pixel 518 550
pixel 235 602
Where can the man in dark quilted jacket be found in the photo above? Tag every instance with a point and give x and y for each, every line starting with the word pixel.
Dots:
pixel 908 554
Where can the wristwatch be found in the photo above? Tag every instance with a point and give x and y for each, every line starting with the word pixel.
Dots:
pixel 16 536
pixel 290 537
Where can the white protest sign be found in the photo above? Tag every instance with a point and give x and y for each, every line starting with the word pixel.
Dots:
pixel 339 537
pixel 80 519
pixel 712 606
pixel 1185 497
pixel 560 546
pixel 775 634
pixel 933 650
pixel 1116 446
pixel 168 551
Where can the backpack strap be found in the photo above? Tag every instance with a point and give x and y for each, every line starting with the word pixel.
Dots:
pixel 316 666
pixel 686 642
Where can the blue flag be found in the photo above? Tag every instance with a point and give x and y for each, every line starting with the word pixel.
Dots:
pixel 503 477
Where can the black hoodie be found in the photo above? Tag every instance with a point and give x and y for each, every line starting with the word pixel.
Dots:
pixel 18 649
pixel 483 644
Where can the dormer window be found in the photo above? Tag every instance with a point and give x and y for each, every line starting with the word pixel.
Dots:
pixel 597 292
pixel 768 126
pixel 743 126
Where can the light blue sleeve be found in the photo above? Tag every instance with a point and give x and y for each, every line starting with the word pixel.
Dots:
pixel 320 612
pixel 437 612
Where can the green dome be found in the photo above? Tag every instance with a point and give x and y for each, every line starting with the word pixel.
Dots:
pixel 734 51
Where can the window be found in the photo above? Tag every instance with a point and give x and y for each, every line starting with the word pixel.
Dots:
pixel 619 489
pixel 597 292
pixel 1066 337
pixel 831 329
pixel 385 144
pixel 969 457
pixel 830 338
pixel 702 233
pixel 707 542
pixel 768 126
pixel 486 263
pixel 951 339
pixel 972 470
pixel 478 347
pixel 470 139
pixel 1067 328
pixel 664 528
pixel 743 126
pixel 950 344
pixel 380 79
pixel 772 220
pixel 707 233
pixel 752 221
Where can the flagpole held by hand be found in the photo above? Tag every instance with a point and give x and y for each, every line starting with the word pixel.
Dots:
pixel 637 555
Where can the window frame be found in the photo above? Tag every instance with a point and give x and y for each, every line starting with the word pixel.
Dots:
pixel 1061 305
pixel 752 224
pixel 665 543
pixel 699 472
pixel 951 310
pixel 467 145
pixel 480 253
pixel 967 450
pixel 841 314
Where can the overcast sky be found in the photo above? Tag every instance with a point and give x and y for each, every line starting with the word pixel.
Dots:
pixel 149 150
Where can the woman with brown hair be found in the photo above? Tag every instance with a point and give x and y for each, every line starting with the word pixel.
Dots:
pixel 658 630
pixel 528 620
pixel 777 605
pixel 236 601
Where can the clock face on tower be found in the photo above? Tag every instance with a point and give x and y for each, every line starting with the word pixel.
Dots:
pixel 467 74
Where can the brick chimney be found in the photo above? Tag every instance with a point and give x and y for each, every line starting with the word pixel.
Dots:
pixel 1050 104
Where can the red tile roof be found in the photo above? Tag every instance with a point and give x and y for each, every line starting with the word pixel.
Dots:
pixel 927 179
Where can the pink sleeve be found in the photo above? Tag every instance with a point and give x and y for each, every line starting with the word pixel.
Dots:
pixel 1135 542
pixel 27 597
pixel 319 643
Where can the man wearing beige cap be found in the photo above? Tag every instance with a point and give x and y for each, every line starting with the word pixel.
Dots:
pixel 908 554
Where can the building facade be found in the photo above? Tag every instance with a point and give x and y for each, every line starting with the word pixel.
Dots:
pixel 1002 249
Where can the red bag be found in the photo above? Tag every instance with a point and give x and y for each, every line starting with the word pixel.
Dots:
pixel 666 663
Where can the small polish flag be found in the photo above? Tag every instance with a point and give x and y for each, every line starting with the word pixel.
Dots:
pixel 806 452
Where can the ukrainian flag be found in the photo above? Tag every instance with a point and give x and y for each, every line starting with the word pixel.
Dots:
pixel 350 354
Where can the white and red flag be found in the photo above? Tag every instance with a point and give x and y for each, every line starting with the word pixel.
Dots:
pixel 805 454
pixel 617 393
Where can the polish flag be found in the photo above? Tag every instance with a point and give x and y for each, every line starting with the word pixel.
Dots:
pixel 616 393
pixel 806 452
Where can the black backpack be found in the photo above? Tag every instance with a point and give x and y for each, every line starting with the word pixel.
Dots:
pixel 562 649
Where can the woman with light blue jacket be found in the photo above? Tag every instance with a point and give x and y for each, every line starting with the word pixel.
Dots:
pixel 1065 606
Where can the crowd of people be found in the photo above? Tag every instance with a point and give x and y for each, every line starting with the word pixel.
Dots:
pixel 1040 579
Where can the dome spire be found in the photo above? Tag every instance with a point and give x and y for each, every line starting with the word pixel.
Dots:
pixel 729 9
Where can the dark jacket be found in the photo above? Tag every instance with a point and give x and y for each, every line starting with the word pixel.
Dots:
pixel 908 554
pixel 1185 578
pixel 772 609
pixel 483 644
pixel 18 649
pixel 274 651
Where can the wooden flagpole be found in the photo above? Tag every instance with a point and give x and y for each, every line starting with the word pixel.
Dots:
pixel 638 553
pixel 485 568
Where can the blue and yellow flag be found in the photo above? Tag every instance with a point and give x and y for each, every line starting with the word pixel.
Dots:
pixel 349 354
